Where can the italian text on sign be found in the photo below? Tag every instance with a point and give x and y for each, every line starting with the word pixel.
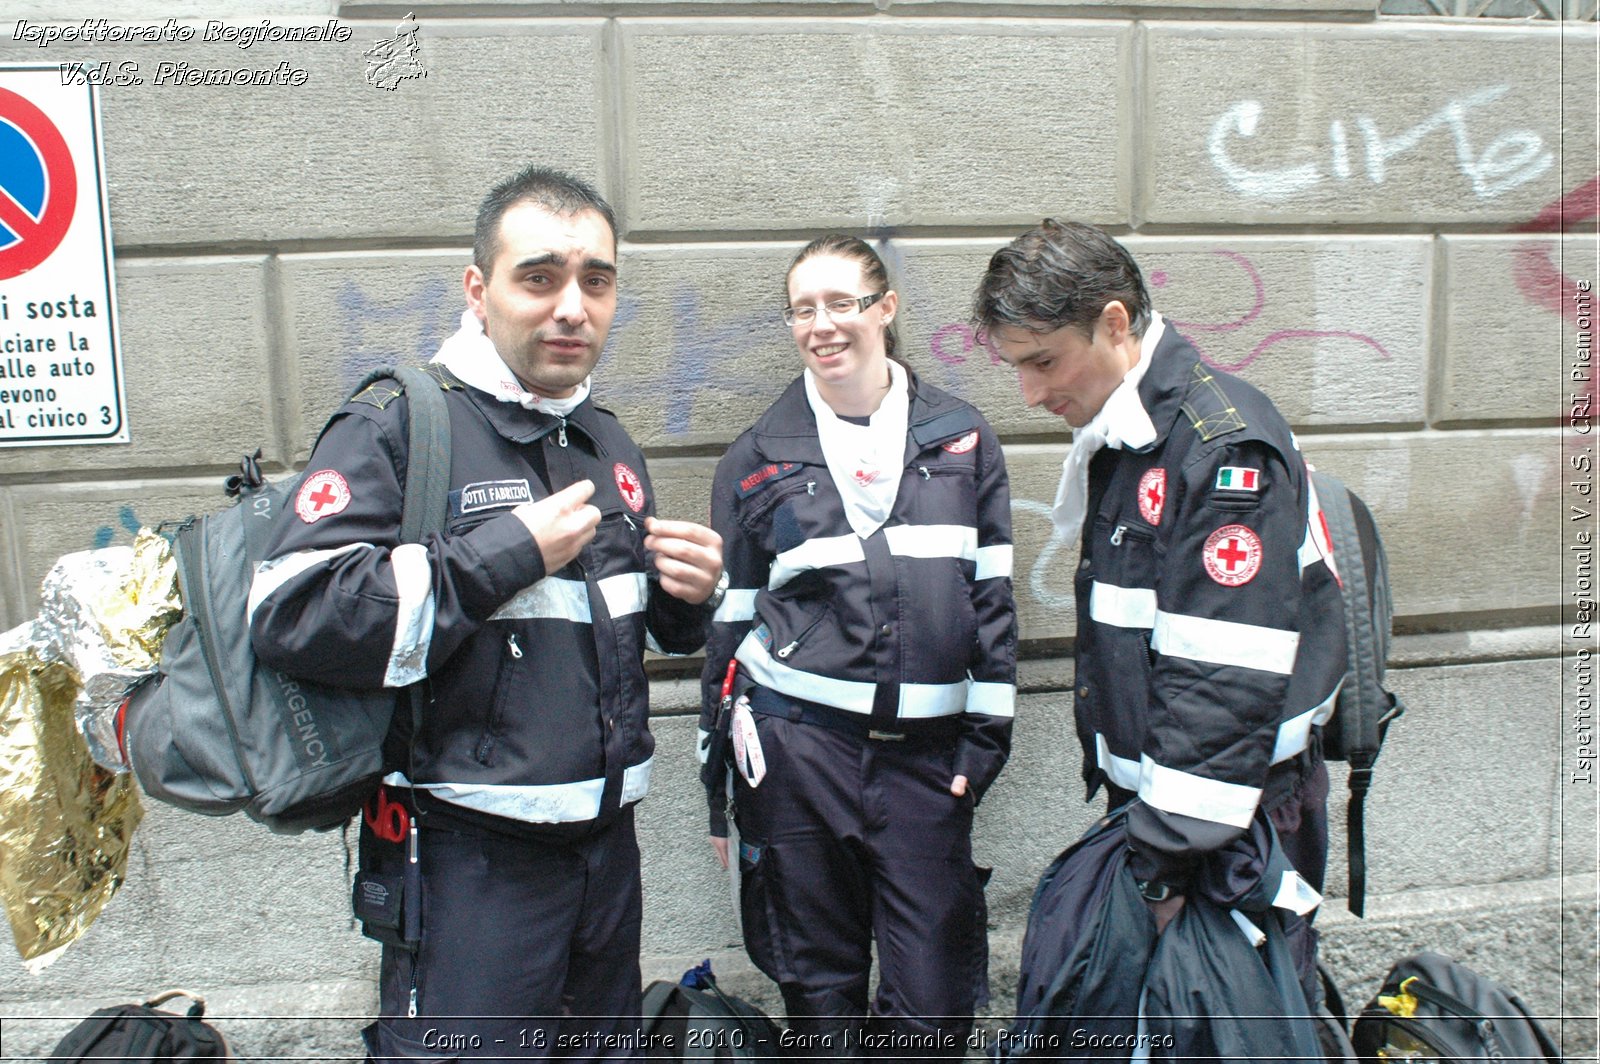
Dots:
pixel 60 362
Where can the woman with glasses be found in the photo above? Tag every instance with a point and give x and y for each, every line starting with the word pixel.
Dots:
pixel 860 675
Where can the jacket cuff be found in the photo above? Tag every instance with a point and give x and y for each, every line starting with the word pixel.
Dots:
pixel 510 556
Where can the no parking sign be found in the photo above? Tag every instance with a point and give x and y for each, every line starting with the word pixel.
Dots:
pixel 60 360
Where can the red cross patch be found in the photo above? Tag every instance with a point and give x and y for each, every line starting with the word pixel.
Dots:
pixel 964 444
pixel 322 494
pixel 631 487
pixel 1152 494
pixel 1232 555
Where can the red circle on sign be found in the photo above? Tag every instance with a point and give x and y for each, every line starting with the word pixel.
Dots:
pixel 1232 555
pixel 42 235
pixel 629 484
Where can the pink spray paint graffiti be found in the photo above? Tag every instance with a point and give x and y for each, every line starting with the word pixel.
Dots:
pixel 1193 329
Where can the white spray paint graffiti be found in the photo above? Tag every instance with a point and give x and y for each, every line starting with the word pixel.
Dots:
pixel 1047 597
pixel 1511 159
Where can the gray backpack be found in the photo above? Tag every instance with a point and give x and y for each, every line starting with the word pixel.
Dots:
pixel 217 731
pixel 1365 708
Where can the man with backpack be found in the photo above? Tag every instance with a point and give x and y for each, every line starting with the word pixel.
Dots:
pixel 499 865
pixel 1209 644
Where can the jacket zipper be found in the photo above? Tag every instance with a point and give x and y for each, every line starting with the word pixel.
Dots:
pixel 785 651
pixel 561 432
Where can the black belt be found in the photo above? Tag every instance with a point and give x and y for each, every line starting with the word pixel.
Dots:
pixel 769 703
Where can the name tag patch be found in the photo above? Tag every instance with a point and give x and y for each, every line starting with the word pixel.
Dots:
pixel 490 495
pixel 772 471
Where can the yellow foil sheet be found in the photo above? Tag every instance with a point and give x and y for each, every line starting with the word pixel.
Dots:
pixel 65 823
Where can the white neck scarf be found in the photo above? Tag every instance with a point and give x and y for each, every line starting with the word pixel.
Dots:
pixel 865 461
pixel 1121 422
pixel 471 356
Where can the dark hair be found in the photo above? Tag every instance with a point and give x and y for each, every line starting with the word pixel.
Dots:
pixel 553 190
pixel 1057 274
pixel 872 271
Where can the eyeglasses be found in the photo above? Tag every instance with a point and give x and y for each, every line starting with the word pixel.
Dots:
pixel 837 309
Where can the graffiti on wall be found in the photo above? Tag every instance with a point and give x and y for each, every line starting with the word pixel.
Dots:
pixel 1512 158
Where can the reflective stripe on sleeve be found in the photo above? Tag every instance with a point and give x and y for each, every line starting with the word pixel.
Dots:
pixel 1189 795
pixel 702 744
pixel 814 554
pixel 917 700
pixel 993 561
pixel 1124 607
pixel 273 574
pixel 1249 646
pixel 993 699
pixel 554 803
pixel 413 630
pixel 1119 770
pixel 549 599
pixel 738 604
pixel 1294 734
pixel 624 594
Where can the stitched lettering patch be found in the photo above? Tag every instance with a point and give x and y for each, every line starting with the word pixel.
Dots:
pixel 490 495
pixel 750 482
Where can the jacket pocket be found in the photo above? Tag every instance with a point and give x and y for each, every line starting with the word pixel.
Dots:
pixel 511 654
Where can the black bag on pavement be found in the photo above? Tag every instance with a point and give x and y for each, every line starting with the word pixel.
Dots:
pixel 1432 1008
pixel 694 1020
pixel 144 1033
pixel 218 731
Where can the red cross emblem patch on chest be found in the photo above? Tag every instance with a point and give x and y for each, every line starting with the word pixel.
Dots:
pixel 1232 555
pixel 1152 494
pixel 631 487
pixel 322 494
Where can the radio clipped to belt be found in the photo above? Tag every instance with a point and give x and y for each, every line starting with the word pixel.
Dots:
pixel 387 896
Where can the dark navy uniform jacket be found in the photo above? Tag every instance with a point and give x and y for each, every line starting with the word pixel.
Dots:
pixel 539 697
pixel 912 623
pixel 1209 640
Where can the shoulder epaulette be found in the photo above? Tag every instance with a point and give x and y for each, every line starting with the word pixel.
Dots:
pixel 379 393
pixel 1210 411
pixel 437 371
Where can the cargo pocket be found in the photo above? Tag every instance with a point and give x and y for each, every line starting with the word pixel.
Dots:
pixel 763 936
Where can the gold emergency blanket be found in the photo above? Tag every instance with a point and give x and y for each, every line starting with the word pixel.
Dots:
pixel 66 822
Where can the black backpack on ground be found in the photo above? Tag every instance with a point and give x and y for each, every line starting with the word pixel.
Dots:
pixel 144 1033
pixel 1431 1008
pixel 693 1019
pixel 218 731
pixel 1365 708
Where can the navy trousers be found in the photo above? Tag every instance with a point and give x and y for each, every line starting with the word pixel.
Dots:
pixel 848 841
pixel 528 950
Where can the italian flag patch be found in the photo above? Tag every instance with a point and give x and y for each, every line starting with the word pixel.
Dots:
pixel 1238 478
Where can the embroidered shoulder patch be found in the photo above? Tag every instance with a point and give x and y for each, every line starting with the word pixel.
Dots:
pixel 1152 494
pixel 631 487
pixel 1232 555
pixel 1238 478
pixel 322 494
pixel 752 482
pixel 964 444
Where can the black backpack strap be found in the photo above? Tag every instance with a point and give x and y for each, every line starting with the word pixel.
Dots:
pixel 428 467
pixel 1365 707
